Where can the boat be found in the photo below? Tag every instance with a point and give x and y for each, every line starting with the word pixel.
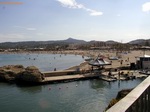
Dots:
pixel 113 58
pixel 99 62
pixel 147 72
pixel 88 59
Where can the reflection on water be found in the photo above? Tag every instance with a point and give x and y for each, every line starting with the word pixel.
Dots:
pixel 118 83
pixel 78 96
pixel 97 84
pixel 31 90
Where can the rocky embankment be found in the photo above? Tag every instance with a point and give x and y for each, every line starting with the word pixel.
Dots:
pixel 121 94
pixel 19 73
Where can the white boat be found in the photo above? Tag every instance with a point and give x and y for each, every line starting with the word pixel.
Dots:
pixel 145 72
pixel 113 58
pixel 99 62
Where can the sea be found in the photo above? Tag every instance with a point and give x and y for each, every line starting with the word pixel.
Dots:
pixel 44 62
pixel 78 96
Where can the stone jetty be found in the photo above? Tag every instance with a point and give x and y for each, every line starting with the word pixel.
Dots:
pixel 31 74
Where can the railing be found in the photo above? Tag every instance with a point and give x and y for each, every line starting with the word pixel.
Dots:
pixel 138 100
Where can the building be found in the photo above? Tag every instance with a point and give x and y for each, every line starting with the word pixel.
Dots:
pixel 143 62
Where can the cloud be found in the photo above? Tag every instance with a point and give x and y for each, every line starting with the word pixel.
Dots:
pixel 26 28
pixel 70 4
pixel 146 7
pixel 93 12
pixel 73 4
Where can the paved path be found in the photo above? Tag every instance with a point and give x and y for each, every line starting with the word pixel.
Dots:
pixel 70 77
pixel 103 76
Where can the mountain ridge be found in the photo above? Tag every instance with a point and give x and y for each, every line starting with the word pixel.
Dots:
pixel 139 41
pixel 50 43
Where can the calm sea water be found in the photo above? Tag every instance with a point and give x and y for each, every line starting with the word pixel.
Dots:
pixel 79 96
pixel 45 62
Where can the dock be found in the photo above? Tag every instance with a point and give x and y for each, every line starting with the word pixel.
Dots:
pixel 67 75
pixel 72 75
pixel 68 78
pixel 108 79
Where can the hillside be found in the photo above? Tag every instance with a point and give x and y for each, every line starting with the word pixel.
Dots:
pixel 65 43
pixel 71 40
pixel 141 42
pixel 38 44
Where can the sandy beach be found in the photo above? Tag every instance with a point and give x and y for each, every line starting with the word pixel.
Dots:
pixel 127 57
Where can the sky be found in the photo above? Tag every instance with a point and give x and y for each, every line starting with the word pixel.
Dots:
pixel 101 20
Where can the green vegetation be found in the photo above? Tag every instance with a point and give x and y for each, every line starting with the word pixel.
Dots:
pixel 71 44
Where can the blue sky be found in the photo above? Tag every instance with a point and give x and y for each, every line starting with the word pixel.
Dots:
pixel 42 20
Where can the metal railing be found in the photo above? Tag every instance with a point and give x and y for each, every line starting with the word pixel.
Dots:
pixel 138 100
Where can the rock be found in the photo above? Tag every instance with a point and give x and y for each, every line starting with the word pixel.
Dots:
pixel 18 72
pixel 121 94
pixel 9 72
pixel 30 74
pixel 6 75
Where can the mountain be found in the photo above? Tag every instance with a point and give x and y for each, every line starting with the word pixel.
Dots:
pixel 108 42
pixel 111 42
pixel 71 40
pixel 141 42
pixel 138 41
pixel 62 43
pixel 37 44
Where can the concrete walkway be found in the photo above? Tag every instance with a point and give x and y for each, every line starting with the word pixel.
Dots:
pixel 70 77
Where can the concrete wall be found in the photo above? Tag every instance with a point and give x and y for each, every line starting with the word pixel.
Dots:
pixel 146 64
pixel 59 73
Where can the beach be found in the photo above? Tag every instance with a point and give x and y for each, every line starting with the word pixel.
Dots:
pixel 127 57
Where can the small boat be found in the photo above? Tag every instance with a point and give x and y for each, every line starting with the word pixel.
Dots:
pixel 88 59
pixel 145 72
pixel 99 62
pixel 113 58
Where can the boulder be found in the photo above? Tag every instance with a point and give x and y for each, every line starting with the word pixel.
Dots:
pixel 30 74
pixel 9 72
pixel 121 94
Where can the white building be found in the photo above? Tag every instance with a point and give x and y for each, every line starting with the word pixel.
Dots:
pixel 144 62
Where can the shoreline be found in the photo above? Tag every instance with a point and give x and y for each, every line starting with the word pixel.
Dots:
pixel 84 66
pixel 92 53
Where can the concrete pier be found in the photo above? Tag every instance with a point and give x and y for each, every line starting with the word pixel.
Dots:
pixel 65 78
pixel 72 75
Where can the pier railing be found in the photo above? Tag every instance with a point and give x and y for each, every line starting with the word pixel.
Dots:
pixel 138 100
